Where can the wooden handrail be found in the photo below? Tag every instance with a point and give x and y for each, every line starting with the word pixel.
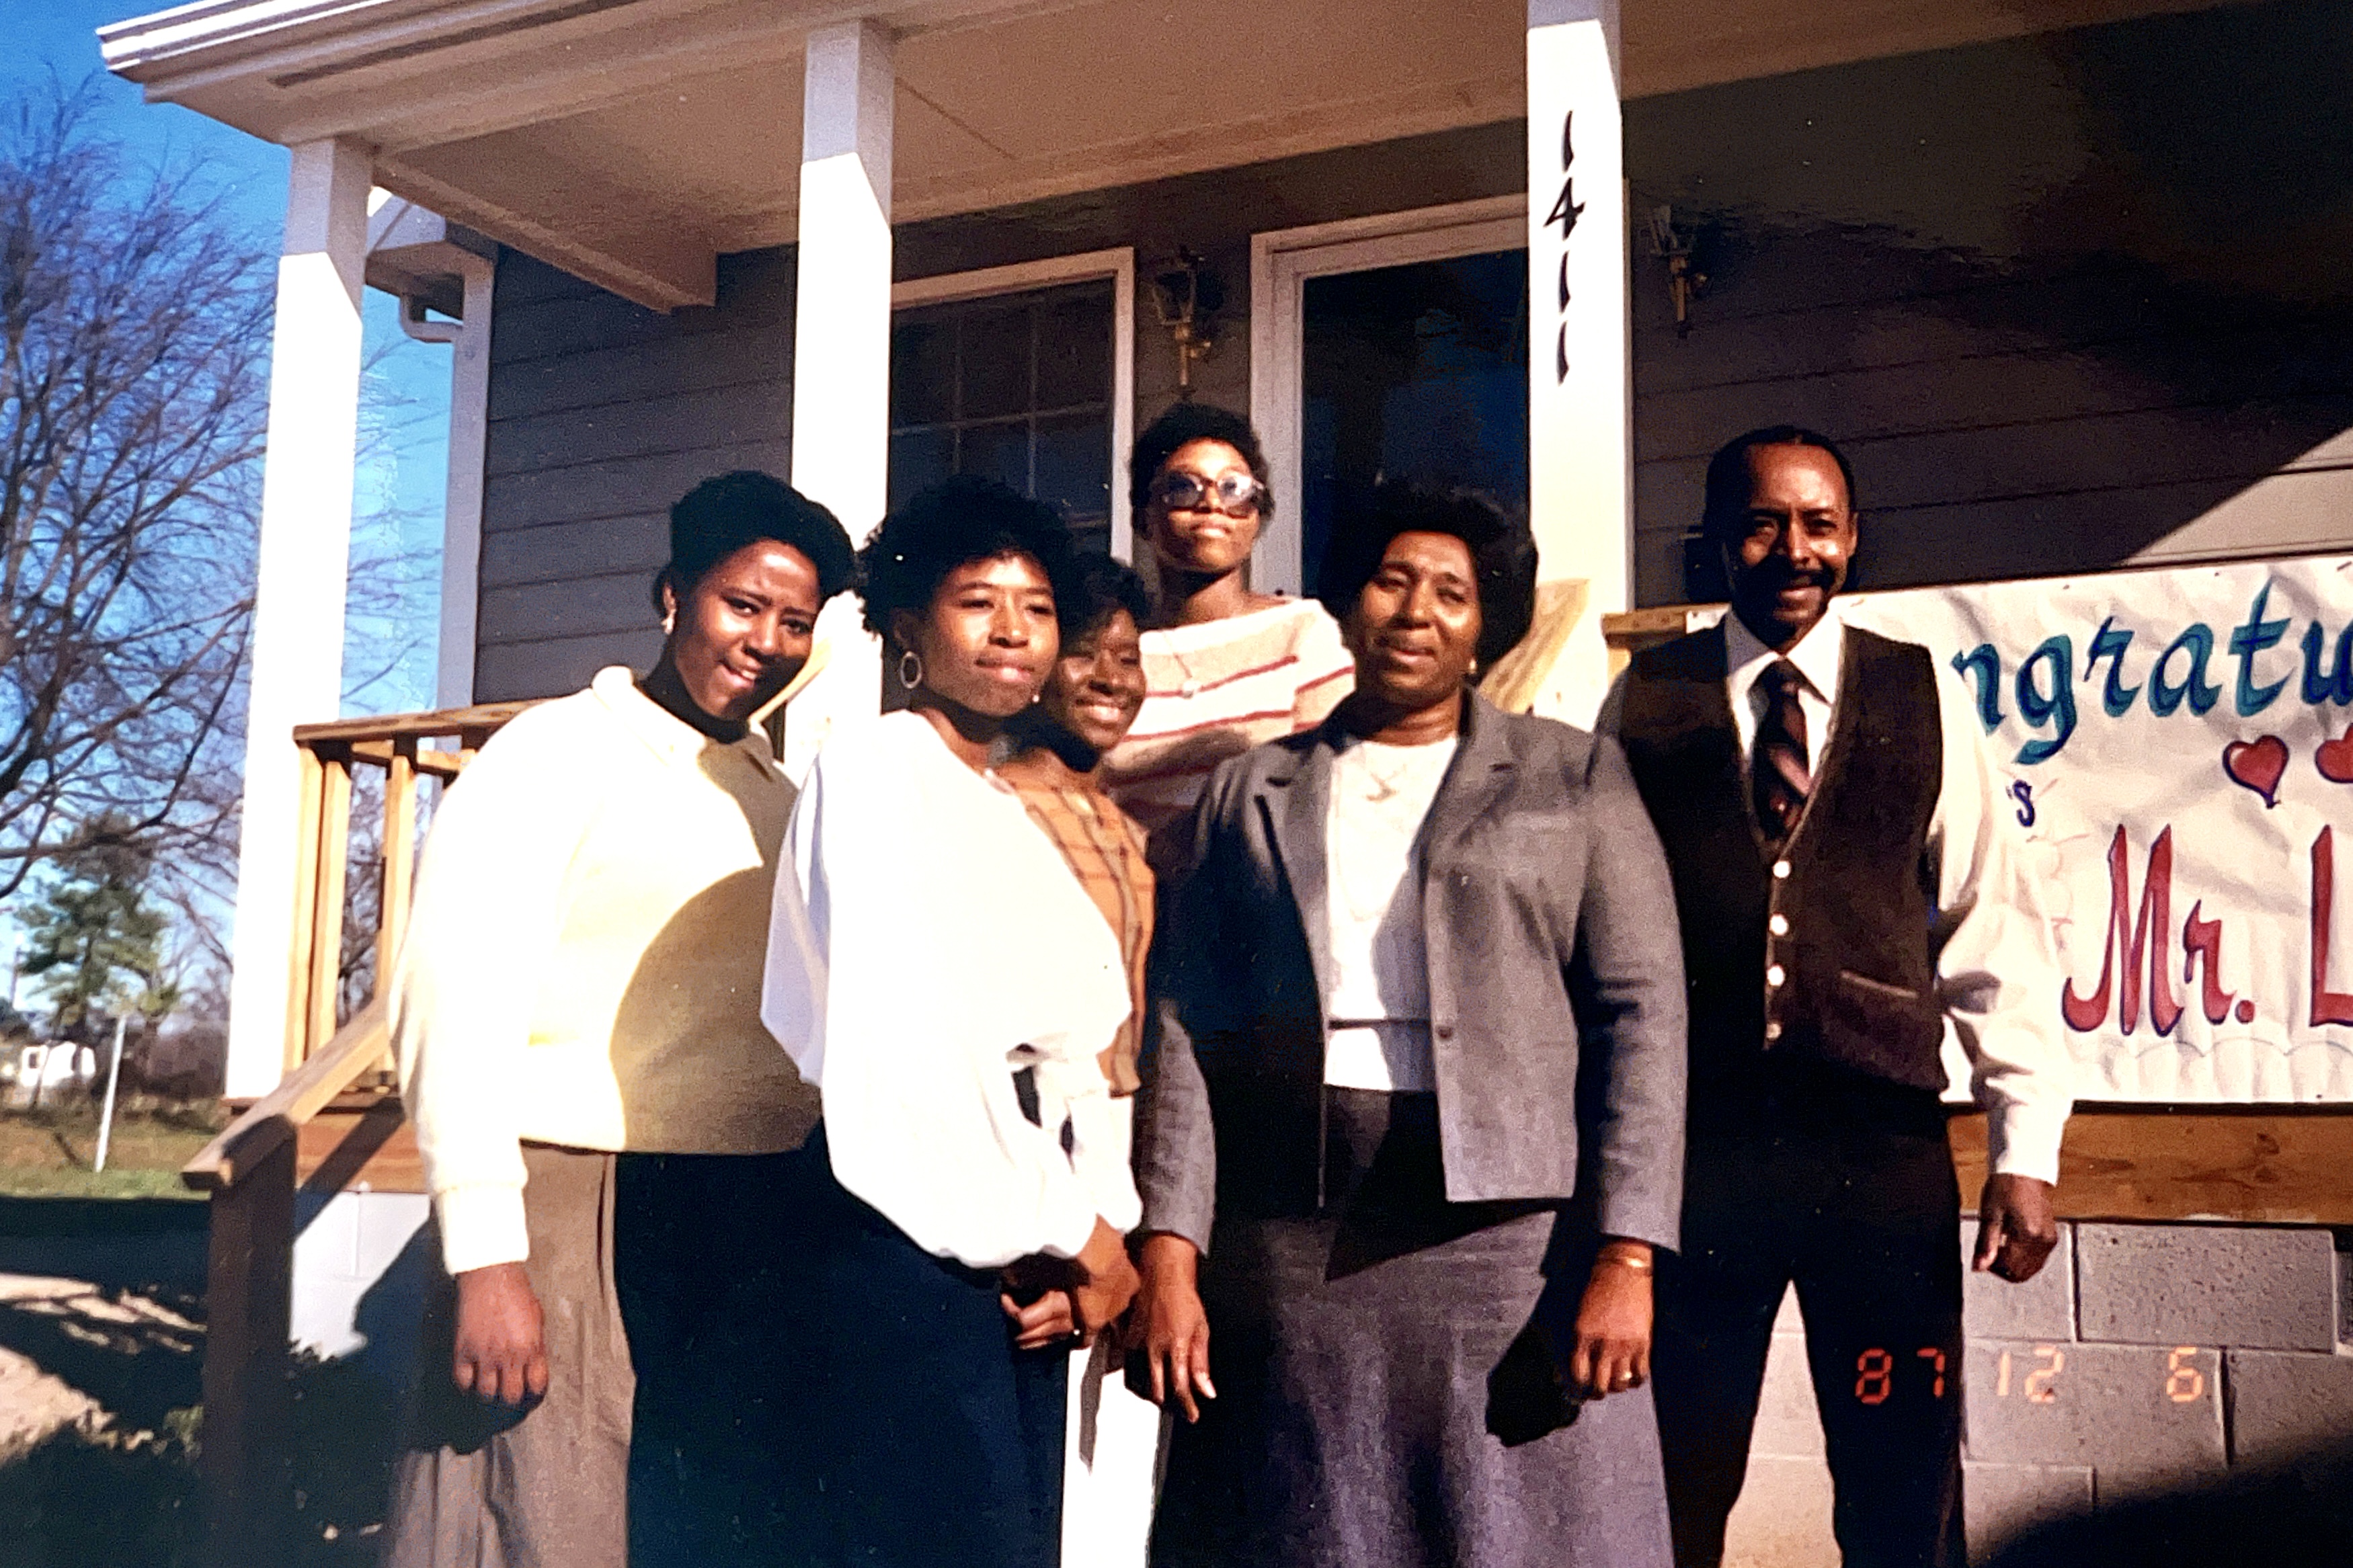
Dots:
pixel 249 1173
pixel 277 1116
pixel 411 726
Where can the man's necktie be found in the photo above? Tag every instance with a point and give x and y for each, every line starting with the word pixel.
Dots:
pixel 1779 772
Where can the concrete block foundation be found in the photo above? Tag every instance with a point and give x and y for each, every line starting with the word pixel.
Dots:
pixel 2145 1360
pixel 2268 1288
pixel 2284 1406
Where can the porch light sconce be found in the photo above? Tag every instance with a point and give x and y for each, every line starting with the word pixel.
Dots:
pixel 1673 247
pixel 1186 296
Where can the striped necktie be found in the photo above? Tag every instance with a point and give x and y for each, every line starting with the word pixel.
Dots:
pixel 1779 771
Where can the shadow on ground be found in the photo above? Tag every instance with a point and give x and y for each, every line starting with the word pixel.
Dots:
pixel 101 1344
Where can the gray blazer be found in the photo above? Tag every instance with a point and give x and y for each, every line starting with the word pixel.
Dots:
pixel 1555 986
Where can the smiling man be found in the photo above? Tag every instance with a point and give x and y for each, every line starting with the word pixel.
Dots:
pixel 1848 884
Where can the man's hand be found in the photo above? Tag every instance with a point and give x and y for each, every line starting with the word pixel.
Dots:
pixel 2015 1229
pixel 1612 1351
pixel 1170 1325
pixel 502 1351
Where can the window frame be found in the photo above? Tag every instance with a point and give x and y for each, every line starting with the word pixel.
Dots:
pixel 1118 264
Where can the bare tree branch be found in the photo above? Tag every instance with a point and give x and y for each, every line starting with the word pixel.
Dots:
pixel 134 340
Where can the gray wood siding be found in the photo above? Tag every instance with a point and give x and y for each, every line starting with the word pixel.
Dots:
pixel 2071 303
pixel 601 414
pixel 2045 293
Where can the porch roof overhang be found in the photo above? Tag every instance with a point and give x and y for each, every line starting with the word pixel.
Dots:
pixel 634 141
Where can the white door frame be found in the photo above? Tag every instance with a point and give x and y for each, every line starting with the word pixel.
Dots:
pixel 1281 261
pixel 1118 264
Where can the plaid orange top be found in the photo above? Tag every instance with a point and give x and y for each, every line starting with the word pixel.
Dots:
pixel 1105 851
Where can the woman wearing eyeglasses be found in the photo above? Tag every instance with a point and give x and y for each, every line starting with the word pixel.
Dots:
pixel 1225 668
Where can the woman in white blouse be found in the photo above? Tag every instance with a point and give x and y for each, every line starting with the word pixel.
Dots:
pixel 939 975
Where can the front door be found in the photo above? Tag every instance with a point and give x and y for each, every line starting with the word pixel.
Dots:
pixel 1407 357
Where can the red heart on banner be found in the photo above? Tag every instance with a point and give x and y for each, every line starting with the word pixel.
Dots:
pixel 2335 759
pixel 2258 765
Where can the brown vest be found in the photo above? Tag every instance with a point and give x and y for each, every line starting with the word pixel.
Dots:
pixel 1850 890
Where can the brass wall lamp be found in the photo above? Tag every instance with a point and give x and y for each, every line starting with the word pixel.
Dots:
pixel 1186 297
pixel 1685 282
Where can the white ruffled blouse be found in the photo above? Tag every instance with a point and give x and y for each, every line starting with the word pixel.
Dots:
pixel 926 941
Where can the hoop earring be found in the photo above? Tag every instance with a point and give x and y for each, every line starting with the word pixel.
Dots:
pixel 907 677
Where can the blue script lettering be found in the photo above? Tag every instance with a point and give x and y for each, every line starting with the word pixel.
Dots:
pixel 2335 687
pixel 2250 637
pixel 1986 664
pixel 2197 640
pixel 2110 643
pixel 2038 709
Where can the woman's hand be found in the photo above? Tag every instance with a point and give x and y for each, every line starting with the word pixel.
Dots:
pixel 1108 1282
pixel 1072 1300
pixel 502 1349
pixel 1171 1327
pixel 1045 1323
pixel 1612 1351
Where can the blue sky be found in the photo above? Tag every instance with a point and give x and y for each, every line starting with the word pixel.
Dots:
pixel 405 401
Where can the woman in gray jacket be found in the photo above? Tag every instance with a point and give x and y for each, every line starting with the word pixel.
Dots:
pixel 1412 1115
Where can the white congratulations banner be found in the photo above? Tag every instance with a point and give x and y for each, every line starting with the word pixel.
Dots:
pixel 2175 745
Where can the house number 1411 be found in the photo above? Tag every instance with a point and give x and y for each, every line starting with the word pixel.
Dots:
pixel 1565 212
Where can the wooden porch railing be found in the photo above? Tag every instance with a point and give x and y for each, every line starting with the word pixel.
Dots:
pixel 250 1171
pixel 330 753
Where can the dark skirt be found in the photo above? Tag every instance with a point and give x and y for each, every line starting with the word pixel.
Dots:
pixel 1356 1357
pixel 718 1471
pixel 929 1440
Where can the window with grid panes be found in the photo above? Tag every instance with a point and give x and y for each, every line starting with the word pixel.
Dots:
pixel 1014 386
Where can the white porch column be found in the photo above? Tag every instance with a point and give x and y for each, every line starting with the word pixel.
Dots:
pixel 841 341
pixel 298 618
pixel 461 527
pixel 1580 429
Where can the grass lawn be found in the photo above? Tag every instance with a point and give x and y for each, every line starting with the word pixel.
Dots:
pixel 47 1152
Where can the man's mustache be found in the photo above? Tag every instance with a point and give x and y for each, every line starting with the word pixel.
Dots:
pixel 1776 572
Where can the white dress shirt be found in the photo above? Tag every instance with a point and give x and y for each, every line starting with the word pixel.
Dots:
pixel 1998 973
pixel 926 941
pixel 1378 1008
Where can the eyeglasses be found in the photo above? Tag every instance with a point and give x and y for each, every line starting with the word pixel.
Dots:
pixel 1233 492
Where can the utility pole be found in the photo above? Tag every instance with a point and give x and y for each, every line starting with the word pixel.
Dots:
pixel 114 1075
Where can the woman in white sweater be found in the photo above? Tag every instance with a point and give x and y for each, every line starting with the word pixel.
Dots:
pixel 576 1018
pixel 938 973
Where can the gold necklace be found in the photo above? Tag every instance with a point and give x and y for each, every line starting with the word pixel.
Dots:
pixel 1385 785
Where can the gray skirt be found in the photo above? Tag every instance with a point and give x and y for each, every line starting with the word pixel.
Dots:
pixel 1363 1357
